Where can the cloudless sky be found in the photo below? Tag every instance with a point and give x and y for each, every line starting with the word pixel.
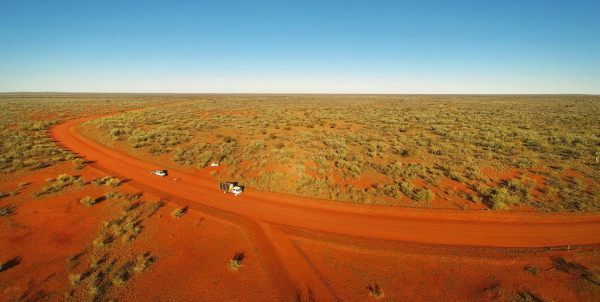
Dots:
pixel 301 46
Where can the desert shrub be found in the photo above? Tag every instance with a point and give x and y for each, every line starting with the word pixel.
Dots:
pixel 501 199
pixel 256 146
pixel 123 274
pixel 476 175
pixel 407 188
pixel 456 176
pixel 88 201
pixel 108 181
pixel 532 270
pixel 391 190
pixel 63 177
pixel 75 279
pixel 143 261
pixel 228 139
pixel 236 262
pixel 178 212
pixel 474 198
pixel 424 195
pixel 77 164
pixel 484 190
pixel 112 195
pixel 518 186
pixel 113 182
pixel 79 181
pixel 103 241
pixel 375 291
pixel 6 211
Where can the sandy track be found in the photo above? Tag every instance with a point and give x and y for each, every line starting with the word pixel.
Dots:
pixel 475 228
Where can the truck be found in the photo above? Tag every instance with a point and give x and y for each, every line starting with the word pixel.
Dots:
pixel 231 187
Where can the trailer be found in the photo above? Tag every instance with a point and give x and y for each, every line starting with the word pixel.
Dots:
pixel 231 187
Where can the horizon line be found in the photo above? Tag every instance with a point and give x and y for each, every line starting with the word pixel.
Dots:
pixel 282 93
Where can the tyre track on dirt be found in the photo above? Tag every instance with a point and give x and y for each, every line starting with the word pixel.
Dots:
pixel 262 244
pixel 309 283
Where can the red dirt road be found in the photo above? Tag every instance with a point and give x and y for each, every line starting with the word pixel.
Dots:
pixel 474 228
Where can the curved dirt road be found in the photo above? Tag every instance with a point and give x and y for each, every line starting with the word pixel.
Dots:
pixel 475 228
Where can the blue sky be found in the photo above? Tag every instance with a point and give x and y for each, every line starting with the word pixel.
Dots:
pixel 301 46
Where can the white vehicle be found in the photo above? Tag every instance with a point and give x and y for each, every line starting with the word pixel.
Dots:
pixel 214 164
pixel 161 173
pixel 231 187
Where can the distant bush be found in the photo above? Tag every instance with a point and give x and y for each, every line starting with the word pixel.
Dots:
pixel 424 195
pixel 108 181
pixel 518 186
pixel 501 199
pixel 77 164
pixel 75 279
pixel 236 262
pixel 6 211
pixel 103 241
pixel 375 291
pixel 178 212
pixel 88 201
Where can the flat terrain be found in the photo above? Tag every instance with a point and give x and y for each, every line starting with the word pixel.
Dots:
pixel 143 237
pixel 442 227
pixel 523 153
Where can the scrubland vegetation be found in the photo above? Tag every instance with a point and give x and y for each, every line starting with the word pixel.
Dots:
pixel 26 117
pixel 106 269
pixel 494 151
pixel 498 152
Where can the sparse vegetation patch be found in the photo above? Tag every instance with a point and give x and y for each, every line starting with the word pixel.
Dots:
pixel 350 148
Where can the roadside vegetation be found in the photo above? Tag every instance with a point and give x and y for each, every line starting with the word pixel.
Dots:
pixel 25 119
pixel 497 152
